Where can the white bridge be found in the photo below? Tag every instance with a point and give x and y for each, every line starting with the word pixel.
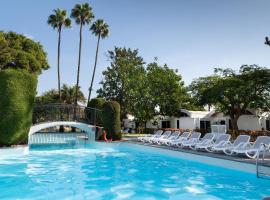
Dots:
pixel 55 138
pixel 52 115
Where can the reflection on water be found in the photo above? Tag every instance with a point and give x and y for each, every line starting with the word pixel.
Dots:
pixel 115 171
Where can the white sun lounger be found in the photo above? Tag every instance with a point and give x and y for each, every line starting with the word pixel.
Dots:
pixel 194 138
pixel 177 141
pixel 158 133
pixel 207 139
pixel 165 135
pixel 173 136
pixel 222 139
pixel 241 140
pixel 252 149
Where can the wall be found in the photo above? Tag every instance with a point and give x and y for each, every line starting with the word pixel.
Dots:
pixel 129 123
pixel 187 123
pixel 249 122
pixel 245 122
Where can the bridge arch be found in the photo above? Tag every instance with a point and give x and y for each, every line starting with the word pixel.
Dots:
pixel 89 129
pixel 85 127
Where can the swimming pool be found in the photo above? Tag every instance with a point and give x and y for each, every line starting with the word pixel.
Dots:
pixel 118 171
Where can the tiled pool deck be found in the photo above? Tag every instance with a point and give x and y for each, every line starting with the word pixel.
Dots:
pixel 237 158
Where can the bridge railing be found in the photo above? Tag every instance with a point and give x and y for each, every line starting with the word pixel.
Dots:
pixel 66 112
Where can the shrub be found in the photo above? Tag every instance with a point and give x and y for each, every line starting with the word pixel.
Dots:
pixel 253 134
pixel 146 130
pixel 18 90
pixel 111 119
pixel 92 115
pixel 96 103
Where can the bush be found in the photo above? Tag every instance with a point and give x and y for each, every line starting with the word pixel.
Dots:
pixel 96 103
pixel 253 134
pixel 111 120
pixel 146 130
pixel 18 90
pixel 92 115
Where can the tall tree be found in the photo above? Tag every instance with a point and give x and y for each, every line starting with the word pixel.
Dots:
pixel 121 78
pixel 233 93
pixel 143 106
pixel 57 21
pixel 166 88
pixel 101 30
pixel 142 92
pixel 82 14
pixel 20 52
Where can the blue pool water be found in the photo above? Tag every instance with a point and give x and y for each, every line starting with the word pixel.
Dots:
pixel 118 171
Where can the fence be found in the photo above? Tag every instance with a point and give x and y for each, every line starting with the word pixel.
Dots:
pixel 66 112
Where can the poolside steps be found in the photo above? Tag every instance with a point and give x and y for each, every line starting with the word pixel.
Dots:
pixel 57 138
pixel 263 170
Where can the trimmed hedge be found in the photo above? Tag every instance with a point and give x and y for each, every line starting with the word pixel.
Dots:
pixel 111 120
pixel 92 115
pixel 18 90
pixel 96 103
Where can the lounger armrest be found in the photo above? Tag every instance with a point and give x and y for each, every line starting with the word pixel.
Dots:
pixel 249 144
pixel 212 142
pixel 265 147
pixel 242 145
pixel 219 144
pixel 227 143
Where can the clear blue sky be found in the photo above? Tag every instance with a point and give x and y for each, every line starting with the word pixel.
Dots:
pixel 193 36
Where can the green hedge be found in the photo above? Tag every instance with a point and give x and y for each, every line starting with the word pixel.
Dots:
pixel 94 116
pixel 18 90
pixel 96 103
pixel 111 120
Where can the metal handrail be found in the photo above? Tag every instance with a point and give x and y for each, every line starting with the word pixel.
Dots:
pixel 265 148
pixel 66 112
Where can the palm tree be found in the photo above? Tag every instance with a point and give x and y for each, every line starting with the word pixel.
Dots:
pixel 82 14
pixel 59 20
pixel 69 94
pixel 100 29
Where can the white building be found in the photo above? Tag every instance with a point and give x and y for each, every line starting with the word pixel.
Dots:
pixel 204 120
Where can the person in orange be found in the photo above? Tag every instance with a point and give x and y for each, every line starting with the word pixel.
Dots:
pixel 104 134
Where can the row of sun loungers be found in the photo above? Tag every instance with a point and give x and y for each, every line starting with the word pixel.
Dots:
pixel 210 142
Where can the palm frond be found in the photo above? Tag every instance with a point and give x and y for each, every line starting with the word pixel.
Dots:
pixel 82 13
pixel 100 27
pixel 67 23
pixel 58 19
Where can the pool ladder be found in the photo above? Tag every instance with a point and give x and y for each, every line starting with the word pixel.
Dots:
pixel 262 171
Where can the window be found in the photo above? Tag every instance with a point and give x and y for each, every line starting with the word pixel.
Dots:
pixel 165 124
pixel 267 124
pixel 205 124
pixel 222 122
pixel 178 124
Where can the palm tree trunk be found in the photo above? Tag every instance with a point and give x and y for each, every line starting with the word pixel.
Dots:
pixel 58 64
pixel 93 75
pixel 78 73
pixel 61 129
